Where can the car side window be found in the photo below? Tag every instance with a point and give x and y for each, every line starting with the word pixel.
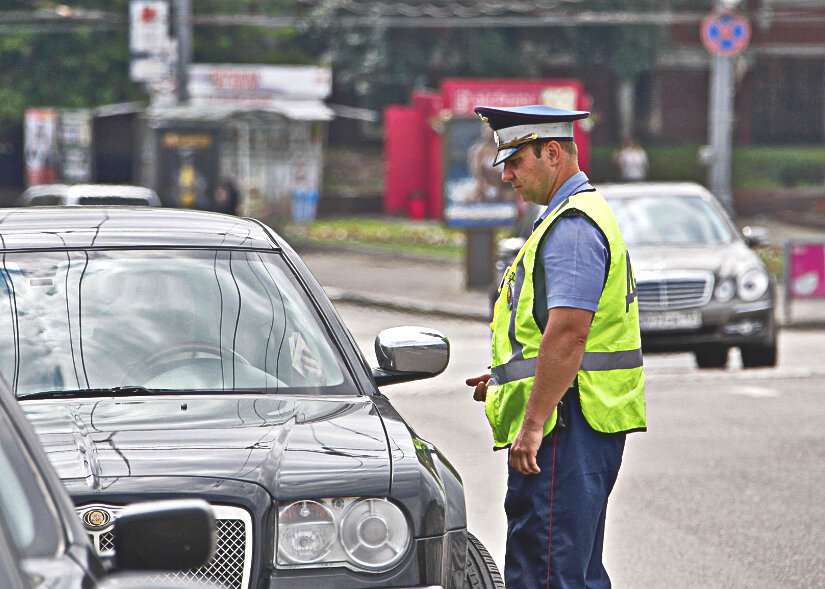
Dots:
pixel 25 502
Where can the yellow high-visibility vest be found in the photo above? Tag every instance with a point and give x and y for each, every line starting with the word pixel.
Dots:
pixel 611 378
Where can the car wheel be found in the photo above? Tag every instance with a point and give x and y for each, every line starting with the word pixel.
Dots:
pixel 713 356
pixel 482 572
pixel 756 356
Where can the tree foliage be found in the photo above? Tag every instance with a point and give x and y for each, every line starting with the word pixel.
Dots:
pixel 373 64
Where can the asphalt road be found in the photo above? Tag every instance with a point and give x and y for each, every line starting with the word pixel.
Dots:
pixel 725 489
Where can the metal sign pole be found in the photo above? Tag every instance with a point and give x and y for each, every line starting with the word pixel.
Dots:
pixel 720 129
pixel 725 34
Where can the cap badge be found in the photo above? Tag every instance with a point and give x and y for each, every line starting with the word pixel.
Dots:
pixel 517 142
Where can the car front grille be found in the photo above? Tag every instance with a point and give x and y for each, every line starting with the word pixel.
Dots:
pixel 671 291
pixel 229 567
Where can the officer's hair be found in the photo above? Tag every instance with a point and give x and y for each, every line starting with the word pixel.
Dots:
pixel 566 144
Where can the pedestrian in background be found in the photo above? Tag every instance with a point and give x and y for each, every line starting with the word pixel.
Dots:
pixel 631 160
pixel 566 383
pixel 226 197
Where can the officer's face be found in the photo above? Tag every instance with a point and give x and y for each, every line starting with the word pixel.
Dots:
pixel 532 177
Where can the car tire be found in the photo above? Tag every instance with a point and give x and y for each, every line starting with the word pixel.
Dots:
pixel 756 356
pixel 482 572
pixel 713 356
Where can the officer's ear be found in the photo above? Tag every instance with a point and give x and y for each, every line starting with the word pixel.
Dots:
pixel 552 150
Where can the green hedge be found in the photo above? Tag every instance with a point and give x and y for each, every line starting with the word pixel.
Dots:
pixel 753 166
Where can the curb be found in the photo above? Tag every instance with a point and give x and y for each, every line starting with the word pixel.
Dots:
pixel 405 305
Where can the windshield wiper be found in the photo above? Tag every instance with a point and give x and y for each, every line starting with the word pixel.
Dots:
pixel 122 391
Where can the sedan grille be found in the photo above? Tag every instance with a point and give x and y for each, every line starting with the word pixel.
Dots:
pixel 671 291
pixel 231 563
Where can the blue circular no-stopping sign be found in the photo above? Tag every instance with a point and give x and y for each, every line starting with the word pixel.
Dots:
pixel 726 34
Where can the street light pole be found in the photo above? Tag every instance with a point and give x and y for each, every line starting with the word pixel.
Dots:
pixel 183 9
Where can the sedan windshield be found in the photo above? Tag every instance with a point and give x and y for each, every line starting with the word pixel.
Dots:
pixel 676 220
pixel 167 320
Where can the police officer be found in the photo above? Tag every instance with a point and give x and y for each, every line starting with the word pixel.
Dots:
pixel 566 383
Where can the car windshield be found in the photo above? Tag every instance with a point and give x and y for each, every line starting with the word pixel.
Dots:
pixel 670 220
pixel 168 320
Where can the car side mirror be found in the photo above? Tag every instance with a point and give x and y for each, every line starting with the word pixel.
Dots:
pixel 409 353
pixel 756 236
pixel 165 535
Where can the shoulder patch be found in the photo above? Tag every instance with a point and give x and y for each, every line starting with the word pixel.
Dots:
pixel 570 213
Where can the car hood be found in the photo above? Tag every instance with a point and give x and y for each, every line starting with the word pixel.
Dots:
pixel 289 445
pixel 722 260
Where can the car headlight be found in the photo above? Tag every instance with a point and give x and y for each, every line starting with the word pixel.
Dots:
pixel 306 531
pixel 725 289
pixel 752 284
pixel 360 533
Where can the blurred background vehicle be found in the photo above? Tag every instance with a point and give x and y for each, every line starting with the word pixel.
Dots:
pixel 44 544
pixel 88 194
pixel 700 286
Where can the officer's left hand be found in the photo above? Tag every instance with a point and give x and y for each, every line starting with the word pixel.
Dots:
pixel 479 384
pixel 524 449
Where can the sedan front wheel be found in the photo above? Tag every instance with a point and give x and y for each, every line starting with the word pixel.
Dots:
pixel 482 572
pixel 711 356
pixel 756 356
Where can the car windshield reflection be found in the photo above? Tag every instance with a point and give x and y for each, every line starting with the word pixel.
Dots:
pixel 675 220
pixel 163 320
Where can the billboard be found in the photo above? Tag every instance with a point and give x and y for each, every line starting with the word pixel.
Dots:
pixel 474 194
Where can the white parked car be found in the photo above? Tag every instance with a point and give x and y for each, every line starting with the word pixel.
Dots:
pixel 88 194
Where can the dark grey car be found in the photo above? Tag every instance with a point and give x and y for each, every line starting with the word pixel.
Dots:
pixel 701 286
pixel 168 353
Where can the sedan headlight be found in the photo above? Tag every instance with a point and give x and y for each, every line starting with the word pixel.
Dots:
pixel 366 534
pixel 752 284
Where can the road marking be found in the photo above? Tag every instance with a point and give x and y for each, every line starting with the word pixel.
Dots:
pixel 752 391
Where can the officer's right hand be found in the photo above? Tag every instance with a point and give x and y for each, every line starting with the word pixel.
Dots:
pixel 480 384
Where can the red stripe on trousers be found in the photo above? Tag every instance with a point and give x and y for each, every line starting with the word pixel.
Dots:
pixel 552 492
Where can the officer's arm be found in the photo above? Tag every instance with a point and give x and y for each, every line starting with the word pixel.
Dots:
pixel 560 355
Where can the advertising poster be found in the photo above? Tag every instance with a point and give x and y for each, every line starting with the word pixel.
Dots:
pixel 40 146
pixel 806 270
pixel 76 146
pixel 188 168
pixel 475 195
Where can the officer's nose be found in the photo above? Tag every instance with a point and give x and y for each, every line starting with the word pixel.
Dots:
pixel 506 173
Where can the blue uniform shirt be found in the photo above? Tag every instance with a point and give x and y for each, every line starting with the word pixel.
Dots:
pixel 575 256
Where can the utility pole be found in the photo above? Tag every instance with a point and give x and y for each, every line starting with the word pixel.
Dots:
pixel 183 22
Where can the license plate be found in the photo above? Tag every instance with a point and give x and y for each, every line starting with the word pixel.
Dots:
pixel 664 320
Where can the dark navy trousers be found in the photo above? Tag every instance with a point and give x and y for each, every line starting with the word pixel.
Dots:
pixel 555 519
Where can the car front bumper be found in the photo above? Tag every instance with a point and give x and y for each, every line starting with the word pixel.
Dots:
pixel 729 325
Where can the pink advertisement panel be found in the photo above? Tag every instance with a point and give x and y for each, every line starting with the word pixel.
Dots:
pixel 806 270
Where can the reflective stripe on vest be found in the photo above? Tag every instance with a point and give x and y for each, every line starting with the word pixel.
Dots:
pixel 518 369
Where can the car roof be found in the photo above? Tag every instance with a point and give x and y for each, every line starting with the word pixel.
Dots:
pixel 81 227
pixel 634 189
